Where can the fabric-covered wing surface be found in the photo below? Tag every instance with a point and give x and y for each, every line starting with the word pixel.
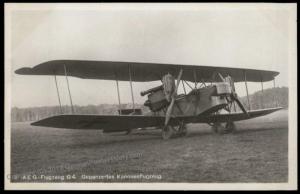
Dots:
pixel 113 123
pixel 237 116
pixel 142 72
pixel 108 123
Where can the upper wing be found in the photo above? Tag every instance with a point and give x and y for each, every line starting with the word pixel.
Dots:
pixel 113 123
pixel 111 70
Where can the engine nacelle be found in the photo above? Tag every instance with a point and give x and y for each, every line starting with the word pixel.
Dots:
pixel 156 99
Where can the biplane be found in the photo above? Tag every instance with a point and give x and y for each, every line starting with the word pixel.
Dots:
pixel 212 98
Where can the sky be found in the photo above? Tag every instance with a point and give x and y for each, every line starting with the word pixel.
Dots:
pixel 242 36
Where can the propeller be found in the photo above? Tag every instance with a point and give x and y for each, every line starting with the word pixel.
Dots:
pixel 233 96
pixel 171 105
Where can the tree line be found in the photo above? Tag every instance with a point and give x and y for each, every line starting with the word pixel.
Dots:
pixel 266 99
pixel 37 113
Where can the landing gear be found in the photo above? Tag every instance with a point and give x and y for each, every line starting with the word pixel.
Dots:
pixel 128 131
pixel 230 127
pixel 217 128
pixel 174 131
pixel 167 132
pixel 180 130
pixel 220 129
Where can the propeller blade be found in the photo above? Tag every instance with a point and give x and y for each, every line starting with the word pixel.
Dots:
pixel 240 105
pixel 233 96
pixel 170 107
pixel 178 81
pixel 169 111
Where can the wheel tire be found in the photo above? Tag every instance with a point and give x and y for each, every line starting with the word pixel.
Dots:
pixel 230 127
pixel 182 130
pixel 214 128
pixel 167 132
pixel 128 131
pixel 218 128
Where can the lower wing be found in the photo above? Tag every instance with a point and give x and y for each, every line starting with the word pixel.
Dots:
pixel 114 123
pixel 235 116
pixel 108 123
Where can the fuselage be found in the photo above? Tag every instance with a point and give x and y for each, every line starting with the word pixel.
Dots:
pixel 208 99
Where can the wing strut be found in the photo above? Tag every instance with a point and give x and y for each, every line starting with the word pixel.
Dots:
pixel 262 93
pixel 130 80
pixel 117 82
pixel 188 84
pixel 195 78
pixel 183 87
pixel 245 76
pixel 58 94
pixel 72 108
pixel 274 97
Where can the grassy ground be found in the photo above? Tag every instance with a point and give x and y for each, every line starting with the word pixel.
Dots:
pixel 258 152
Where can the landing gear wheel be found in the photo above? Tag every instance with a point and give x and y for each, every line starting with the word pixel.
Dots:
pixel 218 128
pixel 230 127
pixel 128 131
pixel 214 128
pixel 167 132
pixel 182 130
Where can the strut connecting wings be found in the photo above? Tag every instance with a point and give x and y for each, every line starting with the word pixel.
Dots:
pixel 142 72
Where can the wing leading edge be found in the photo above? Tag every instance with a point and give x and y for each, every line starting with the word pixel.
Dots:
pixel 142 72
pixel 114 123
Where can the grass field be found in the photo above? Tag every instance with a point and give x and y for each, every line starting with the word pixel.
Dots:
pixel 257 152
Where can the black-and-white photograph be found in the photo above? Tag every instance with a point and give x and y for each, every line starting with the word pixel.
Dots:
pixel 188 95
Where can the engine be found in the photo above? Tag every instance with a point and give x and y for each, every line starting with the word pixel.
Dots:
pixel 160 96
pixel 156 98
